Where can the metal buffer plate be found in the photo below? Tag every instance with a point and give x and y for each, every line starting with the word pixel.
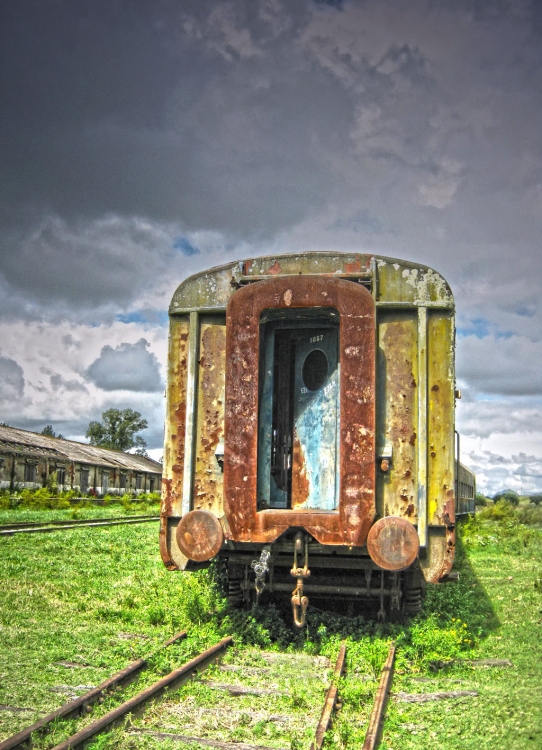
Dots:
pixel 393 543
pixel 199 535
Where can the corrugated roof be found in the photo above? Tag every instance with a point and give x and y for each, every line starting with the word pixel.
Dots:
pixel 23 441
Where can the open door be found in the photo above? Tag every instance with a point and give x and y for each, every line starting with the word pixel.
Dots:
pixel 299 411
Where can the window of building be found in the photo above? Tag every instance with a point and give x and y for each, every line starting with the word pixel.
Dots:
pixel 139 480
pixel 84 480
pixel 152 483
pixel 30 472
pixel 61 475
pixel 105 482
pixel 122 482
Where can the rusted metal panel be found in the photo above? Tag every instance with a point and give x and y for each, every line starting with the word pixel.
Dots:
pixel 205 291
pixel 440 418
pixel 357 405
pixel 348 264
pixel 422 426
pixel 397 372
pixel 209 479
pixel 439 559
pixel 401 282
pixel 192 368
pixel 175 427
pixel 440 445
pixel 393 281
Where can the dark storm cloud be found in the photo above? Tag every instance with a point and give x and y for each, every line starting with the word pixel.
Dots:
pixel 128 367
pixel 145 141
pixel 52 264
pixel 120 107
pixel 11 380
pixel 250 117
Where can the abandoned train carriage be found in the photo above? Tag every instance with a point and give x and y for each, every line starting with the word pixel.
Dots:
pixel 310 427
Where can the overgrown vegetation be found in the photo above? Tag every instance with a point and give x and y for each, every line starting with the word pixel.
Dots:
pixel 49 498
pixel 102 598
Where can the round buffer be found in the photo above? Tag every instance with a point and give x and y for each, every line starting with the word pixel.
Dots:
pixel 199 535
pixel 393 543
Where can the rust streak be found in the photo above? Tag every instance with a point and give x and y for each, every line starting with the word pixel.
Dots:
pixel 300 480
pixel 274 270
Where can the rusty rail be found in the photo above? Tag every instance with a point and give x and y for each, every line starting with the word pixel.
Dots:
pixel 381 699
pixel 42 528
pixel 80 705
pixel 64 521
pixel 112 717
pixel 330 701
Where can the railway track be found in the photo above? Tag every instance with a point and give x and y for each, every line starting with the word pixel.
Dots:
pixel 41 527
pixel 259 686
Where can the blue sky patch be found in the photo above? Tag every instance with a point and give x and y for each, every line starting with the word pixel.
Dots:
pixel 478 327
pixel 154 317
pixel 186 247
pixel 133 317
pixel 526 311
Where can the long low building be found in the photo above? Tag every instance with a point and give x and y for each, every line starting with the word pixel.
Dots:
pixel 30 461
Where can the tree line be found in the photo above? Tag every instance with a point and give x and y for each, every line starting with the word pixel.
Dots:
pixel 117 431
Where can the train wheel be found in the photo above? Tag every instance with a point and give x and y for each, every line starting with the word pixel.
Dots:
pixel 413 590
pixel 235 591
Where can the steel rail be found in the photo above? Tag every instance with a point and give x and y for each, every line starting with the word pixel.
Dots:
pixel 381 699
pixel 82 704
pixel 330 701
pixel 87 524
pixel 66 521
pixel 112 717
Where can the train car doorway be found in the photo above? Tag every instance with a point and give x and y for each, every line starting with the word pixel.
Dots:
pixel 299 410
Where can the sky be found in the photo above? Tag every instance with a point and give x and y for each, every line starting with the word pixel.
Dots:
pixel 142 141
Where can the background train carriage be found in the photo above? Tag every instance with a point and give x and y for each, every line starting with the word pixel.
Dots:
pixel 310 427
pixel 465 489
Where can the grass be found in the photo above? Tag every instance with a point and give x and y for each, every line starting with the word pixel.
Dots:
pixel 102 598
pixel 36 507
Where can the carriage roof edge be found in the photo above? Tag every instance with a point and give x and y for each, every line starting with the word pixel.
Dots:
pixel 391 280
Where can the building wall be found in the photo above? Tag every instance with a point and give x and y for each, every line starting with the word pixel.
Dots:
pixel 33 471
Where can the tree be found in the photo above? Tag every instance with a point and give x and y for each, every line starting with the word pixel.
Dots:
pixel 508 496
pixel 49 432
pixel 117 431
